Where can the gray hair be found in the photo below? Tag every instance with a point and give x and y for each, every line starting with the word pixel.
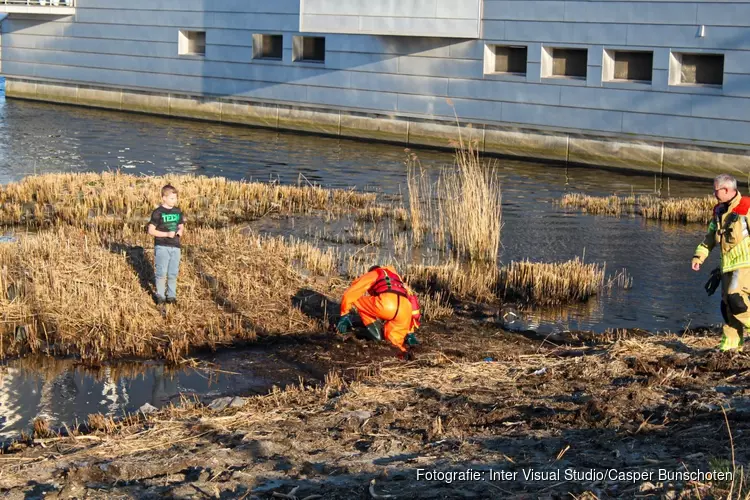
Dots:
pixel 725 181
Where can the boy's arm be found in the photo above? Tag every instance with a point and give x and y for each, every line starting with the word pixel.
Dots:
pixel 181 225
pixel 155 233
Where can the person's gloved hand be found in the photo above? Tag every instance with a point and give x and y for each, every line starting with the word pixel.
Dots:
pixel 411 340
pixel 344 324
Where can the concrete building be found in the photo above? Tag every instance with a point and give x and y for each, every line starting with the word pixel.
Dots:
pixel 657 86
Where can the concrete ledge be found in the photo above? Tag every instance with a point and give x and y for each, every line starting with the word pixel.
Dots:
pixel 444 134
pixel 366 126
pixel 56 93
pixel 194 107
pixel 526 143
pixel 309 120
pixel 111 99
pixel 642 156
pixel 680 160
pixel 661 157
pixel 145 103
pixel 250 114
pixel 20 88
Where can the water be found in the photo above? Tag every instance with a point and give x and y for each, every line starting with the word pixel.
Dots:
pixel 64 393
pixel 666 294
pixel 39 137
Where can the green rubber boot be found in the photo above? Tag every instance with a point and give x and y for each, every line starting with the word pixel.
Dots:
pixel 344 324
pixel 411 340
pixel 374 331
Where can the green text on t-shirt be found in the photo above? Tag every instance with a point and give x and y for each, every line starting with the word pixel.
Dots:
pixel 170 220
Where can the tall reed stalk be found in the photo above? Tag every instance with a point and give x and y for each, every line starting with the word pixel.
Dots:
pixel 472 205
pixel 415 184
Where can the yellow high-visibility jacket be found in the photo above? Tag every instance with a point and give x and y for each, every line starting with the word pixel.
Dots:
pixel 733 238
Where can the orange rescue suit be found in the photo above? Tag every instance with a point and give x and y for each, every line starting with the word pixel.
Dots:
pixel 393 308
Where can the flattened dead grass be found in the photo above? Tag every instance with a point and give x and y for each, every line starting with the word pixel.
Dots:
pixel 76 292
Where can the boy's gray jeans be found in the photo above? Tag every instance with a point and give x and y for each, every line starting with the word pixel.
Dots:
pixel 167 265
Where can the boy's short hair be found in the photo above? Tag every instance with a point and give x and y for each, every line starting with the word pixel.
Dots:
pixel 167 190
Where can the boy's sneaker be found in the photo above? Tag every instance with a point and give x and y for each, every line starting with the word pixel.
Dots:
pixel 171 300
pixel 159 300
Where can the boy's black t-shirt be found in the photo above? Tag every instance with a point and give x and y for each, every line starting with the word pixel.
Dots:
pixel 165 220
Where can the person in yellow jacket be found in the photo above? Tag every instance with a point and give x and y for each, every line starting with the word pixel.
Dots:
pixel 728 229
pixel 385 305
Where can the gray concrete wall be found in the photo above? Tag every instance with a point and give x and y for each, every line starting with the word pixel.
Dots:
pixel 134 45
pixel 433 18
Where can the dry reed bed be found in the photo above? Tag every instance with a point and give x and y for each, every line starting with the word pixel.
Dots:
pixel 648 206
pixel 462 281
pixel 420 198
pixel 551 283
pixel 91 296
pixel 472 205
pixel 462 210
pixel 76 198
pixel 537 283
pixel 431 401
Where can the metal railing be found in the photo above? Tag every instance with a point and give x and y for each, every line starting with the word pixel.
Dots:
pixel 39 3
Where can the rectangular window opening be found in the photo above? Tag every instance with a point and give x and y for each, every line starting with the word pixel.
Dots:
pixel 701 69
pixel 633 65
pixel 268 46
pixel 192 43
pixel 510 59
pixel 309 48
pixel 570 63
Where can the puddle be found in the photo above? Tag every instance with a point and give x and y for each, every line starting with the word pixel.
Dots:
pixel 64 393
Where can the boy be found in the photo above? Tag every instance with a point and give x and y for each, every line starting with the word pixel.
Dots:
pixel 167 225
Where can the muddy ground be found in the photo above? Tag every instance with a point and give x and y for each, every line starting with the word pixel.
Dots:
pixel 629 401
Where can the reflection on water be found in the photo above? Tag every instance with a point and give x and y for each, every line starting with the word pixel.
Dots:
pixel 666 295
pixel 64 393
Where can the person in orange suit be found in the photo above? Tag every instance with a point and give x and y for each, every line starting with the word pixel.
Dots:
pixel 384 303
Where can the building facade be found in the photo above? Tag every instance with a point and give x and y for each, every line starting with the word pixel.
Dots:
pixel 656 86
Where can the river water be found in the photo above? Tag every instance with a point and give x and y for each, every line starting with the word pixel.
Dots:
pixel 666 294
